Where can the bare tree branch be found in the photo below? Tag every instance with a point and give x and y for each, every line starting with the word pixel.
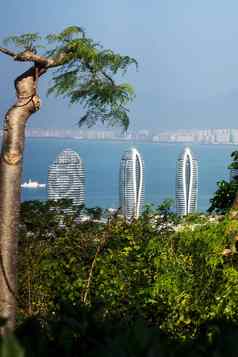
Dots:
pixel 28 56
pixel 7 52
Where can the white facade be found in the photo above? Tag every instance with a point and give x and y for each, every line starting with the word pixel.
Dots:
pixel 131 184
pixel 186 183
pixel 66 178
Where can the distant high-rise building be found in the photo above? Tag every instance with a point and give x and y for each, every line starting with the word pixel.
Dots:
pixel 186 183
pixel 66 178
pixel 131 184
pixel 234 167
pixel 233 174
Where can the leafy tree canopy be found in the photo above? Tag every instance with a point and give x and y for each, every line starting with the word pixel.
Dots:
pixel 234 164
pixel 225 194
pixel 177 279
pixel 83 71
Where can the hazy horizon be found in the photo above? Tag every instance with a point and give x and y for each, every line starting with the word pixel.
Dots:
pixel 186 50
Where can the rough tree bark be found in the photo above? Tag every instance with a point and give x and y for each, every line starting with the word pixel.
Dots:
pixel 11 161
pixel 10 179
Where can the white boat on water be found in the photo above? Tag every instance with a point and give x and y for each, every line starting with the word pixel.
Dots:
pixel 32 184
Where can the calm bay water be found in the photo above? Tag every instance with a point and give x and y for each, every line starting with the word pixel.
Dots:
pixel 102 159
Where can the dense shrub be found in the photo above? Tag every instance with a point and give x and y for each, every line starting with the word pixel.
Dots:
pixel 223 198
pixel 174 277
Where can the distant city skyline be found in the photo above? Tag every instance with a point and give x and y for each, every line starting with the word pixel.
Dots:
pixel 204 136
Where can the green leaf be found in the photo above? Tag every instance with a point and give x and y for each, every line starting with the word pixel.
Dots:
pixel 24 41
pixel 10 347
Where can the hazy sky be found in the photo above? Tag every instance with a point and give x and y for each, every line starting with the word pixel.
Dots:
pixel 187 52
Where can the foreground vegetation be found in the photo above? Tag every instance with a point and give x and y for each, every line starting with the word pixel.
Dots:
pixel 82 71
pixel 153 287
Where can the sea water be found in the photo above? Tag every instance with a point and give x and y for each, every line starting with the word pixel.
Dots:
pixel 102 160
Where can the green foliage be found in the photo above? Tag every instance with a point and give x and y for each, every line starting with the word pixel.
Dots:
pixel 188 275
pixel 94 213
pixel 224 197
pixel 53 249
pixel 76 331
pixel 86 77
pixel 56 254
pixel 194 218
pixel 10 347
pixel 24 42
pixel 177 281
pixel 173 277
pixel 234 164
pixel 66 35
pixel 84 74
pixel 126 286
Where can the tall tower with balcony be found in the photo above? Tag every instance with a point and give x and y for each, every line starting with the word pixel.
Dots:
pixel 66 178
pixel 186 183
pixel 131 184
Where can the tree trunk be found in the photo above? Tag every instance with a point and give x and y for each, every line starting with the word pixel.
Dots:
pixel 10 189
pixel 235 203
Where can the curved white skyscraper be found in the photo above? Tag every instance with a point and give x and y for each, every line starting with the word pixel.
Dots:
pixel 186 183
pixel 66 178
pixel 131 184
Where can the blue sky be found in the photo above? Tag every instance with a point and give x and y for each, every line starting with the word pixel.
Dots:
pixel 187 53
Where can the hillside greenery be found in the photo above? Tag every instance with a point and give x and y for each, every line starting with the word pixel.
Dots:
pixel 157 286
pixel 223 198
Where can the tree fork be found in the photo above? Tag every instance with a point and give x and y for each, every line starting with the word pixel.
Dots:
pixel 10 189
